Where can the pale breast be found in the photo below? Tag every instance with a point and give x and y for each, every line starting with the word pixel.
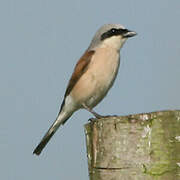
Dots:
pixel 104 66
pixel 97 80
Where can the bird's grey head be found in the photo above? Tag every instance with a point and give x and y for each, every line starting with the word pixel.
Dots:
pixel 113 35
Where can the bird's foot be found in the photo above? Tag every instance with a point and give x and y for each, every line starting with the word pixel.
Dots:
pixel 110 116
pixel 101 117
pixel 92 120
pixel 98 116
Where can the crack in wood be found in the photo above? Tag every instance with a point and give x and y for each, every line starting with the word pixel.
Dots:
pixel 111 169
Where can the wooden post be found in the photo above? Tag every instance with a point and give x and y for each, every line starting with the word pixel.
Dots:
pixel 135 147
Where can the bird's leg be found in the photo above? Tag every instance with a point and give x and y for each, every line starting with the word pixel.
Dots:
pixel 98 116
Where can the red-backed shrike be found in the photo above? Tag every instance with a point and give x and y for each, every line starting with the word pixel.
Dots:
pixel 93 76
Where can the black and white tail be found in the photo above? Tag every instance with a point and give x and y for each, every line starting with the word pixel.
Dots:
pixel 61 119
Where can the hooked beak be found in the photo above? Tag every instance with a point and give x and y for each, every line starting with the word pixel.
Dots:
pixel 129 33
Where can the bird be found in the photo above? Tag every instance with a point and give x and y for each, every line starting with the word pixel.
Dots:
pixel 93 76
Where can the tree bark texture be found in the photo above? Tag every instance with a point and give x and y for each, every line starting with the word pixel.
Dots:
pixel 134 147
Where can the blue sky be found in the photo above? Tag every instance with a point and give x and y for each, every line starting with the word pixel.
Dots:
pixel 41 41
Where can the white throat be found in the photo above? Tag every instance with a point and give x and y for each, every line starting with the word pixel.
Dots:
pixel 115 42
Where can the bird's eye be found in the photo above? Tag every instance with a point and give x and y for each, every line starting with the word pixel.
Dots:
pixel 113 30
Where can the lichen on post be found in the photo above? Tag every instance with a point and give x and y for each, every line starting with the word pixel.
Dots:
pixel 134 147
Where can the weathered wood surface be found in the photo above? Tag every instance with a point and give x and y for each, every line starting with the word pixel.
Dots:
pixel 135 147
